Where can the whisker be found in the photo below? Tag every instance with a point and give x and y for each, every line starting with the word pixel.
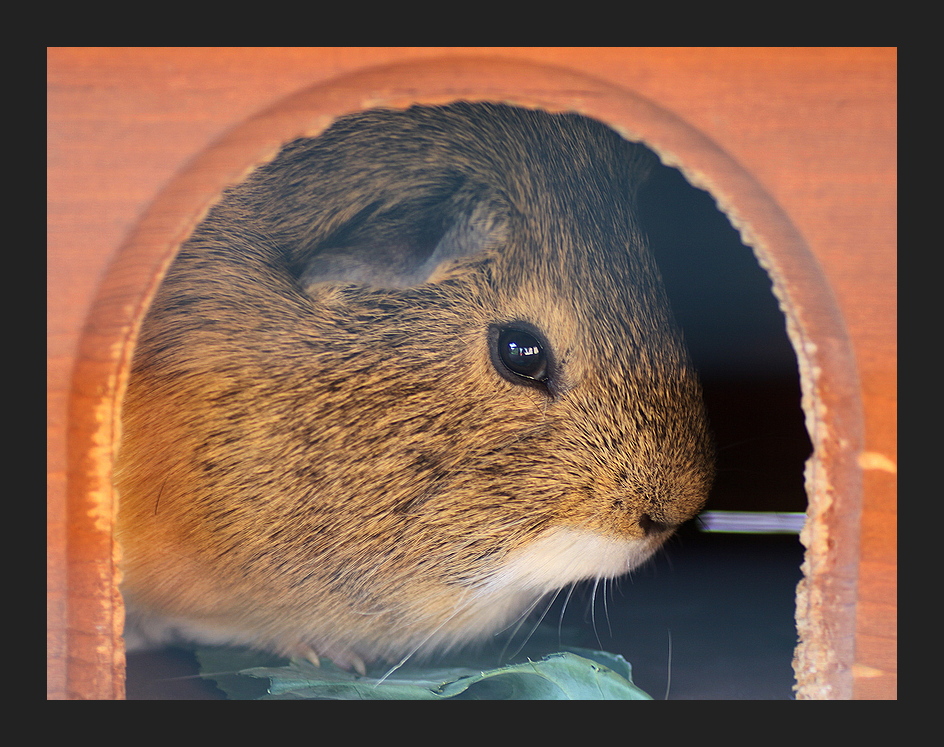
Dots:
pixel 607 584
pixel 593 610
pixel 457 610
pixel 668 681
pixel 560 621
pixel 521 620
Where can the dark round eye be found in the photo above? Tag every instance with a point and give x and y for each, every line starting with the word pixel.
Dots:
pixel 522 354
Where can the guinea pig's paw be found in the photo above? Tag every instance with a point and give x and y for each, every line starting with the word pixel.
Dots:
pixel 343 659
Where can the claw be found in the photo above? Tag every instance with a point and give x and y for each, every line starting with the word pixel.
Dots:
pixel 347 660
pixel 313 657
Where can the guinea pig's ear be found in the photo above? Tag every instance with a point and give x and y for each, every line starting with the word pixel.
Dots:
pixel 406 249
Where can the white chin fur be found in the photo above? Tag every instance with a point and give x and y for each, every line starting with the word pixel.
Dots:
pixel 562 556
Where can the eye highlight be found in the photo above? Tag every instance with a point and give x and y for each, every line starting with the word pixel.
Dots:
pixel 520 355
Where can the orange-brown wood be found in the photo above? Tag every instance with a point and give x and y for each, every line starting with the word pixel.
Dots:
pixel 798 146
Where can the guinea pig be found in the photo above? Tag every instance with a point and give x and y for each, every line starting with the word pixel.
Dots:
pixel 408 378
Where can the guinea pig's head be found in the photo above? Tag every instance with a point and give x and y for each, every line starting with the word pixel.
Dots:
pixel 410 376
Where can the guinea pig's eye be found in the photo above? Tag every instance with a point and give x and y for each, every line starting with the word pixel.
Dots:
pixel 520 353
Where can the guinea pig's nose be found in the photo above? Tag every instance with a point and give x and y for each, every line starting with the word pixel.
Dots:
pixel 651 526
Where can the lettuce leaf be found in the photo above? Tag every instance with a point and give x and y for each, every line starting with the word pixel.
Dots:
pixel 572 674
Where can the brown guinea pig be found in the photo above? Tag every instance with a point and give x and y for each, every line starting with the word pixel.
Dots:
pixel 406 379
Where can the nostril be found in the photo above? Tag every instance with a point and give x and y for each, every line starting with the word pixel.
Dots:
pixel 651 526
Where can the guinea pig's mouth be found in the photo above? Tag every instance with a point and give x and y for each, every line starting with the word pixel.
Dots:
pixel 652 527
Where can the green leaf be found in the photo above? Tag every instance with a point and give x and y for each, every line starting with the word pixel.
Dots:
pixel 225 666
pixel 574 674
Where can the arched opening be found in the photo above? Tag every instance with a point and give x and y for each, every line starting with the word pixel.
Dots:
pixel 141 265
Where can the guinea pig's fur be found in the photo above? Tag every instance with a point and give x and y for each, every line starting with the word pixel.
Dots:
pixel 324 452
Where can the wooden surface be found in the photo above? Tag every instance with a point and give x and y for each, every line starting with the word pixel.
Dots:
pixel 798 145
